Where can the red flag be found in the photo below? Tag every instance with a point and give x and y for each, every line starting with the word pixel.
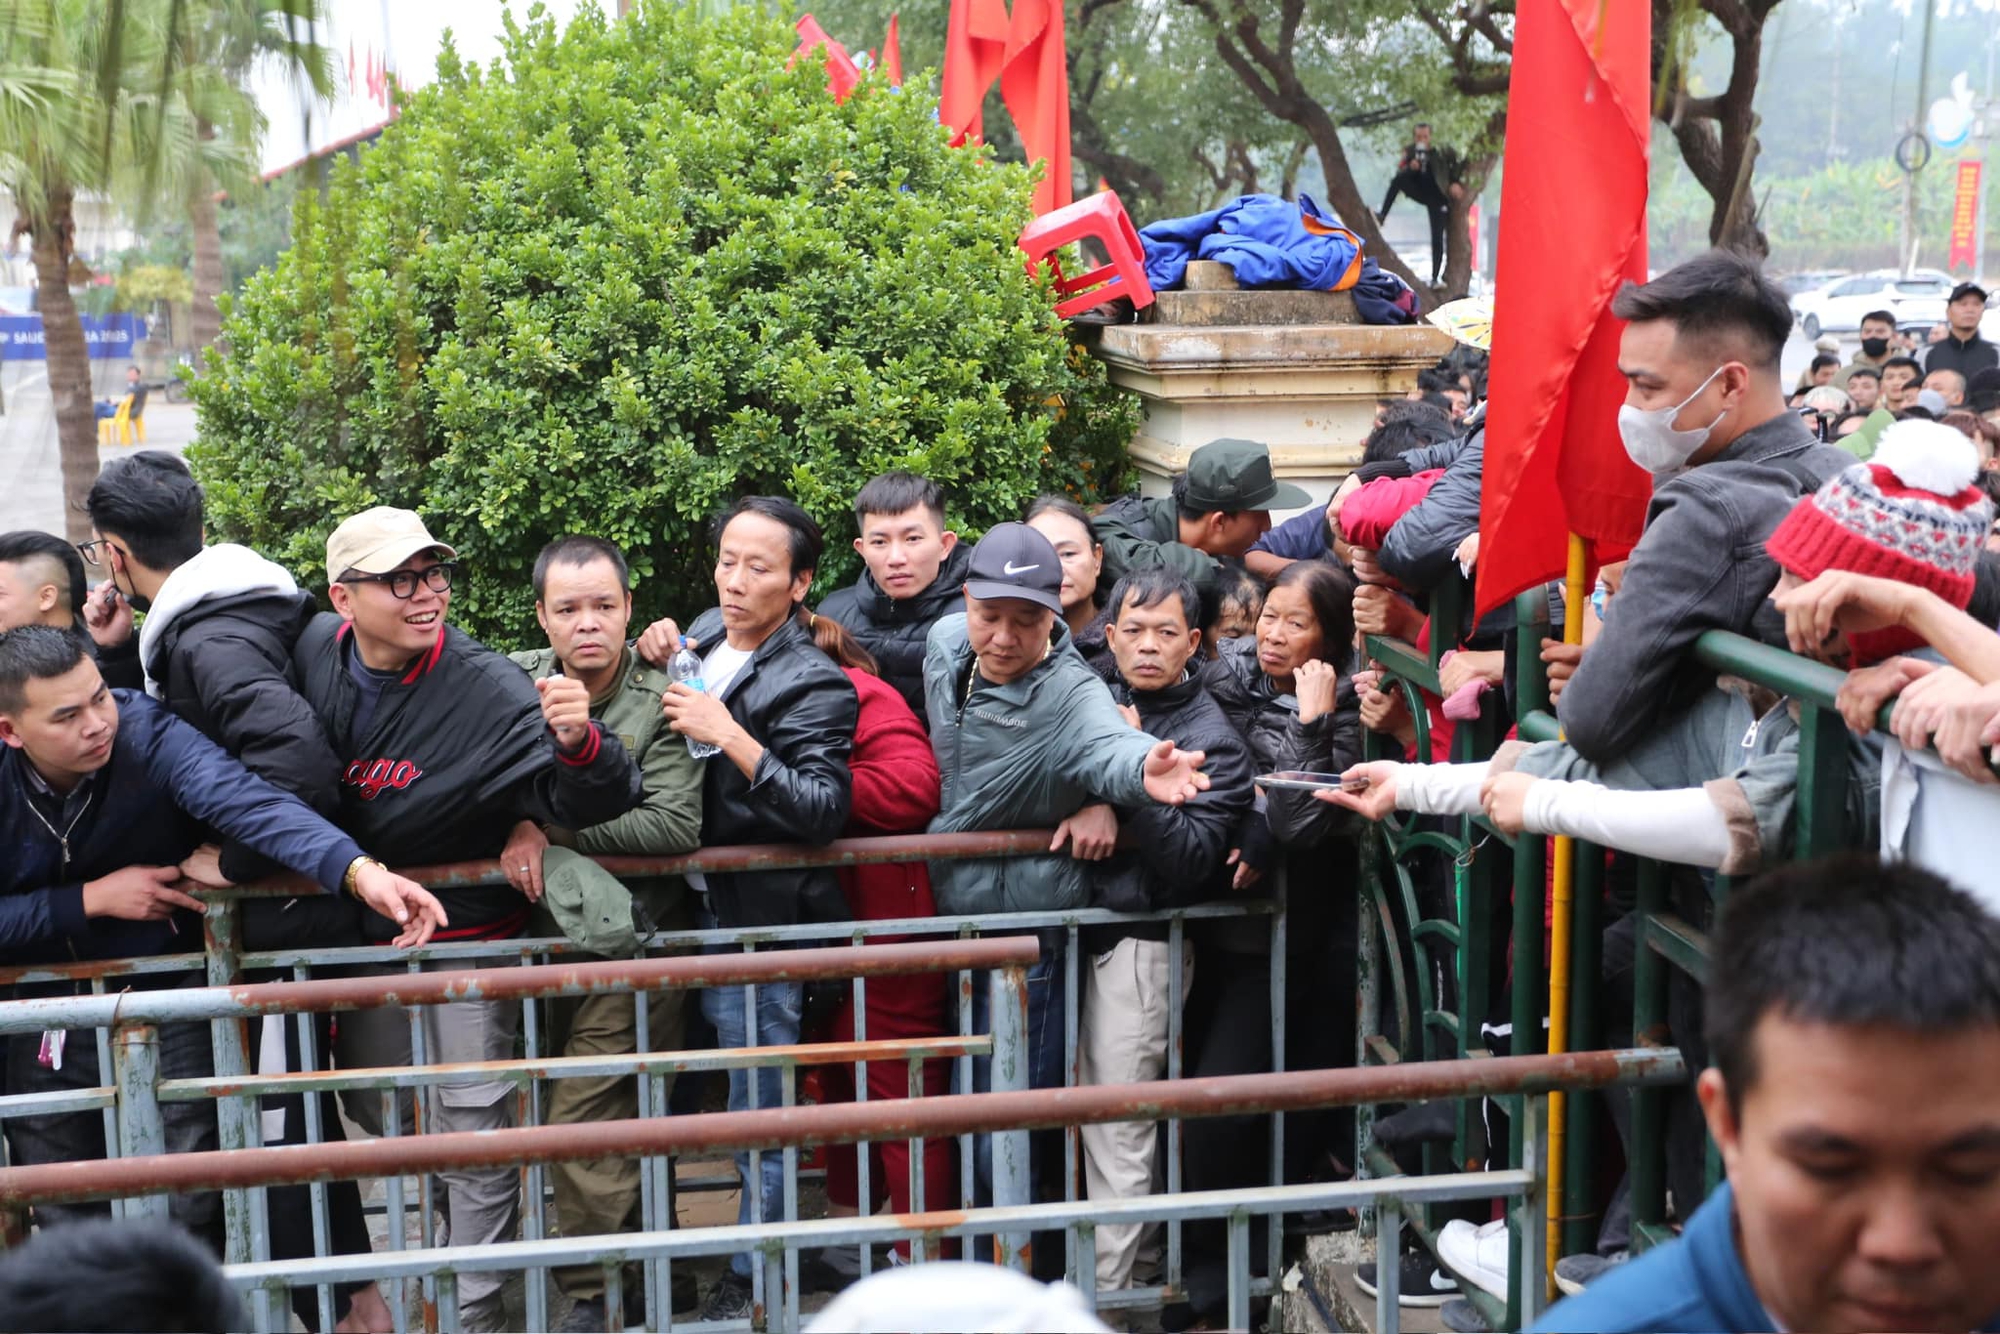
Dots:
pixel 842 76
pixel 1035 83
pixel 1578 110
pixel 892 56
pixel 975 45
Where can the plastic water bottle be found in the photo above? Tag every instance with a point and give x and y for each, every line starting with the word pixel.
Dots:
pixel 685 668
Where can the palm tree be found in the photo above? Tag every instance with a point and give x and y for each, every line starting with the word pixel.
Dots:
pixel 90 105
pixel 218 48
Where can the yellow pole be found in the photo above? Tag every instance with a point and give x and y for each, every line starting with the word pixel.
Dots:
pixel 1576 602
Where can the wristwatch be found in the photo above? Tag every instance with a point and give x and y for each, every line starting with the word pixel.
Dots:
pixel 353 870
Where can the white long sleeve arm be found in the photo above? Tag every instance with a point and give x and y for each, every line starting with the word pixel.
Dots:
pixel 1439 789
pixel 1683 825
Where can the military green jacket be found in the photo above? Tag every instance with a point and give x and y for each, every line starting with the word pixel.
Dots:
pixel 668 817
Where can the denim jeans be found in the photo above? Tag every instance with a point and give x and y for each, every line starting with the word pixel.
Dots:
pixel 778 1009
pixel 1046 1070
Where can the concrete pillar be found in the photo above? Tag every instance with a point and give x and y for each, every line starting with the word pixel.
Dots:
pixel 1296 370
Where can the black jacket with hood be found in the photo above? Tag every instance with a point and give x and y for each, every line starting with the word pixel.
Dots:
pixel 802 709
pixel 217 649
pixel 456 753
pixel 895 630
pixel 1178 853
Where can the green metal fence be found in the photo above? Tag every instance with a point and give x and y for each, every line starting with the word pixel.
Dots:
pixel 1433 974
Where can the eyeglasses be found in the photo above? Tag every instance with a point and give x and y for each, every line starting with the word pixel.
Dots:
pixel 93 551
pixel 403 583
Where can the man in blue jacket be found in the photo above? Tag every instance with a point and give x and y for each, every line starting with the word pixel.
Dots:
pixel 103 795
pixel 1854 1025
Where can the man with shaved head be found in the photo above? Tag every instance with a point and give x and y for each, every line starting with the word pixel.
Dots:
pixel 1705 415
pixel 42 582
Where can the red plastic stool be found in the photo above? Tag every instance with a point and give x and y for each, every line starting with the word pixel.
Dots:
pixel 1103 219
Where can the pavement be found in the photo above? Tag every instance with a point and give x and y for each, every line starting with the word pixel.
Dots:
pixel 29 460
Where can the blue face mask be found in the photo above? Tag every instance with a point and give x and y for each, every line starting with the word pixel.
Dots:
pixel 1651 440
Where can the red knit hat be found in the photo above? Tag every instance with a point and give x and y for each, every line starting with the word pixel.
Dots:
pixel 1913 513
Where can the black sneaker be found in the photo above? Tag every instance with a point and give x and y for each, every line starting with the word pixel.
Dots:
pixel 1419 1282
pixel 729 1299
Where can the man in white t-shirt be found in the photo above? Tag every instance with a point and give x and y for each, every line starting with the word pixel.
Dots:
pixel 782 716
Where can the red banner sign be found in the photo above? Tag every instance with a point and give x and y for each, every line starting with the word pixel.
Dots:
pixel 1965 217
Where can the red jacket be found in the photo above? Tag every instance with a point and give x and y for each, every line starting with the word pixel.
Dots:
pixel 895 792
pixel 1367 516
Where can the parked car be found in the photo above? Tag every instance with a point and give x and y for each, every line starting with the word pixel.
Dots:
pixel 1917 300
pixel 1809 280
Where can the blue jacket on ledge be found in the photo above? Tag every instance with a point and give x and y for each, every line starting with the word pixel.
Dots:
pixel 151 804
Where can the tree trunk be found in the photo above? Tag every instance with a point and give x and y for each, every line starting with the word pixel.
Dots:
pixel 205 321
pixel 68 362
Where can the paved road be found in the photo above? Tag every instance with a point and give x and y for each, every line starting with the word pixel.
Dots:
pixel 31 495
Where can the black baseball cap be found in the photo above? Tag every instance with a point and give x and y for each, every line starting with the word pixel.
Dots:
pixel 1966 289
pixel 1015 561
pixel 1231 475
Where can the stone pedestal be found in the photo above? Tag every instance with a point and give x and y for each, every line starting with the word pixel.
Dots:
pixel 1296 370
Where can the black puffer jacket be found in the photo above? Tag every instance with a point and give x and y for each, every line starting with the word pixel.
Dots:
pixel 802 709
pixel 1313 838
pixel 225 668
pixel 895 631
pixel 1179 852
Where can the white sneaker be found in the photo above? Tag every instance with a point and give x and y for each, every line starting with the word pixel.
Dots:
pixel 1477 1254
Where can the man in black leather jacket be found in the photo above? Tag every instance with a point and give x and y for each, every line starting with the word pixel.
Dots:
pixel 782 716
pixel 916 569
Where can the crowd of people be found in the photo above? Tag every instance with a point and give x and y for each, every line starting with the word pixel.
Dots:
pixel 1121 677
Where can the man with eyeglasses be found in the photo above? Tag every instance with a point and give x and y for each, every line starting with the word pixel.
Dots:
pixel 443 745
pixel 216 649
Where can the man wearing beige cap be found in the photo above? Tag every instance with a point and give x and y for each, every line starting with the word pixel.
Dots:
pixel 443 746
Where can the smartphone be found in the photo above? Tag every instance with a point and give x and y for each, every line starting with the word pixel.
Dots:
pixel 1309 782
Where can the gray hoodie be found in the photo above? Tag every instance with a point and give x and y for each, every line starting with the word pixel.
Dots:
pixel 1700 566
pixel 1025 755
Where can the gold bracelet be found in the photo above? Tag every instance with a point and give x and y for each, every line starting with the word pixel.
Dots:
pixel 347 882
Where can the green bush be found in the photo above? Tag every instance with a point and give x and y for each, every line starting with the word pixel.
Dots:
pixel 630 272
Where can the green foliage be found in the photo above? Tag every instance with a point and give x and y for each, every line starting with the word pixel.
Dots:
pixel 144 285
pixel 631 271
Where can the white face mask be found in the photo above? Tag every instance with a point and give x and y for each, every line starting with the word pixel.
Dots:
pixel 1651 440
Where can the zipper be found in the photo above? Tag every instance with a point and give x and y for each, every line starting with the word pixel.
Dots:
pixel 61 838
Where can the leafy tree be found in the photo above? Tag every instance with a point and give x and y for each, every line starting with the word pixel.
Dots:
pixel 215 50
pixel 1716 132
pixel 631 271
pixel 89 102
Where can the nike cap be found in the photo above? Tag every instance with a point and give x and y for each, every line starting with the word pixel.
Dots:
pixel 1229 476
pixel 1015 561
pixel 378 540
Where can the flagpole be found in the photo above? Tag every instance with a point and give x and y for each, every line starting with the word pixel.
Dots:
pixel 1575 603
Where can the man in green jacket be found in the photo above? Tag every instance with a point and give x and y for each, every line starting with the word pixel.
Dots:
pixel 583 600
pixel 1219 507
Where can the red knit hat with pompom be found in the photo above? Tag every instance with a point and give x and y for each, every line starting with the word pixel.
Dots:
pixel 1913 513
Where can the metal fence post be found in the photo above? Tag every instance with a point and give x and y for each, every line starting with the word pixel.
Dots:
pixel 141 1131
pixel 1008 1009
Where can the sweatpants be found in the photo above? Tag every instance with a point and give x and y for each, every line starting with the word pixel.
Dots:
pixel 482 1203
pixel 1123 1036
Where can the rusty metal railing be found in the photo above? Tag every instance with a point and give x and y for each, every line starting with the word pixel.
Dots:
pixel 236 1090
pixel 791 1128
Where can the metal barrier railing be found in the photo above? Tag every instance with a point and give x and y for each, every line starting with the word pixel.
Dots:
pixel 1483 945
pixel 236 1090
pixel 1002 1114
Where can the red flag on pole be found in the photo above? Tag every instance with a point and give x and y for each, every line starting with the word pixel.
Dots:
pixel 1035 83
pixel 842 75
pixel 975 46
pixel 892 56
pixel 1578 110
